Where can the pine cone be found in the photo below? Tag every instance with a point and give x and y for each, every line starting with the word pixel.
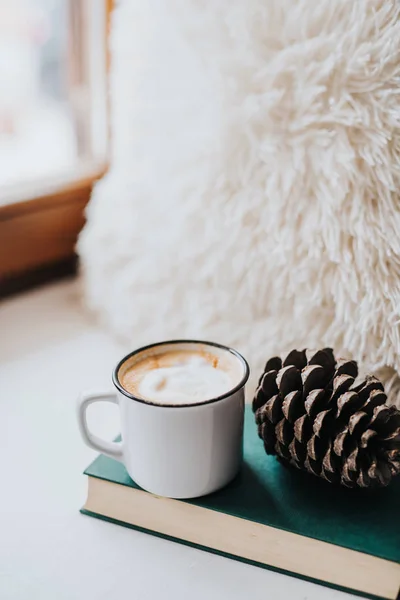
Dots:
pixel 310 414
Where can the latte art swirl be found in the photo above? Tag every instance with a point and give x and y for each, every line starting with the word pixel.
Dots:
pixel 185 382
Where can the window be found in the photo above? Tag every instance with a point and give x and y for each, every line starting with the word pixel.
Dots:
pixel 53 125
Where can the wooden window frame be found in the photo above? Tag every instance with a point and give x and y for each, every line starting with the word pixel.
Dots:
pixel 38 234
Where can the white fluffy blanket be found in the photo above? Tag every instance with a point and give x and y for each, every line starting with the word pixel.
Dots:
pixel 253 194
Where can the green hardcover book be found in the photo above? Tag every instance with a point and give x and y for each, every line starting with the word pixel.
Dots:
pixel 270 516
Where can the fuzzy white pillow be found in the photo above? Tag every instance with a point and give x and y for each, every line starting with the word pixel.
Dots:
pixel 253 194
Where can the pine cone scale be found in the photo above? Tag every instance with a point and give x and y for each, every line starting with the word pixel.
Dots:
pixel 316 401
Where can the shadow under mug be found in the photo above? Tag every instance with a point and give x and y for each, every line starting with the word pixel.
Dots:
pixel 178 451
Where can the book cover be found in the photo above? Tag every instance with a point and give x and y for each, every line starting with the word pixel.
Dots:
pixel 269 494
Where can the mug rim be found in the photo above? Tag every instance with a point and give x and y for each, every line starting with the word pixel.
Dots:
pixel 232 391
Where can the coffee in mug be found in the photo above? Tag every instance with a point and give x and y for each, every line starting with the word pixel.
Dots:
pixel 182 411
pixel 179 376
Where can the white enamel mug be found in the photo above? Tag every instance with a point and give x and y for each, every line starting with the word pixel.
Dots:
pixel 178 451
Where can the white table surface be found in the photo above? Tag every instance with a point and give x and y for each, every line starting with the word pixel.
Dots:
pixel 50 349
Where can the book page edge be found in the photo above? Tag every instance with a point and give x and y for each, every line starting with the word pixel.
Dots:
pixel 263 544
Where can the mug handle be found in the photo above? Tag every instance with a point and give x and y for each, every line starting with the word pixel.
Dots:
pixel 111 449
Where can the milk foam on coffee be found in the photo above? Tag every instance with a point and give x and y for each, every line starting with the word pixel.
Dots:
pixel 179 377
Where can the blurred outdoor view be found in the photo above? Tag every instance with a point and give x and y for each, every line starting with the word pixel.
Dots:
pixel 52 110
